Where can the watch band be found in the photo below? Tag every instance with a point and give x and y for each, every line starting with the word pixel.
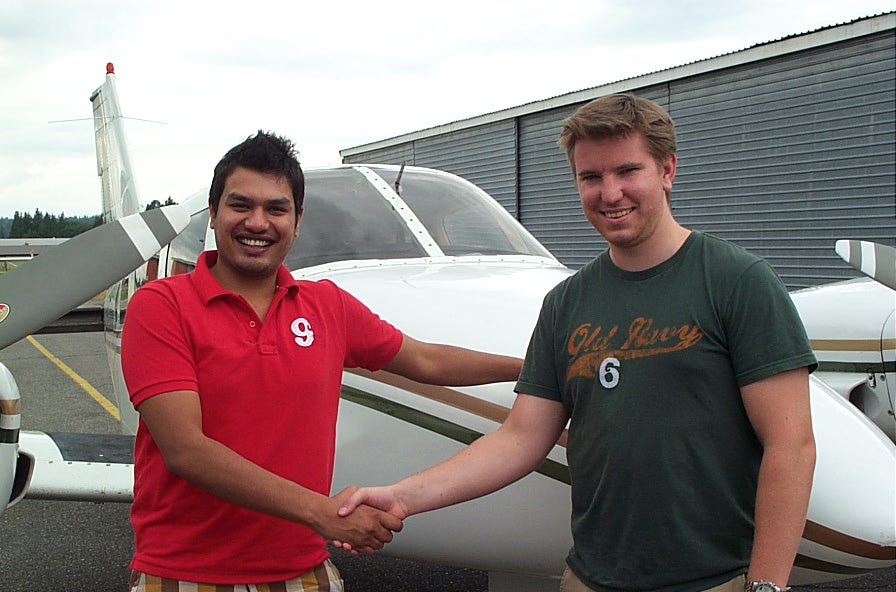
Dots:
pixel 763 586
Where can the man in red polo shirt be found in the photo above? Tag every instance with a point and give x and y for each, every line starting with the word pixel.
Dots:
pixel 236 369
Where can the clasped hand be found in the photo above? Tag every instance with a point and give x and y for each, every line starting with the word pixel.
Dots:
pixel 379 500
pixel 362 531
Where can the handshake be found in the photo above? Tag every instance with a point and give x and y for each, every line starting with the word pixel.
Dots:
pixel 362 521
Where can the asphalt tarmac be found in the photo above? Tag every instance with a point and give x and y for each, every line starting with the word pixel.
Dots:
pixel 85 547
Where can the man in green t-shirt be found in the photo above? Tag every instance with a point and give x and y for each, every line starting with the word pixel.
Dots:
pixel 681 365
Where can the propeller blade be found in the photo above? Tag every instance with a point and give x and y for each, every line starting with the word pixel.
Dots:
pixel 55 282
pixel 873 259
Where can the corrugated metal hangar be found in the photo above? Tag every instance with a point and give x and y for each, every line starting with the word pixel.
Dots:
pixel 783 148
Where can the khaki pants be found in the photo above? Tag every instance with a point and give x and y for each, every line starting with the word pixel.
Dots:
pixel 570 583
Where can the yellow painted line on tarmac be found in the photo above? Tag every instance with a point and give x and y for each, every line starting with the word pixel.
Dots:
pixel 97 396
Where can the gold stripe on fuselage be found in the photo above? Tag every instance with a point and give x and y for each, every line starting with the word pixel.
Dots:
pixel 847 544
pixel 855 345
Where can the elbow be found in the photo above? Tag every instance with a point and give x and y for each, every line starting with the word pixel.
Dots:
pixel 793 456
pixel 805 447
pixel 809 452
pixel 182 461
pixel 177 464
pixel 801 457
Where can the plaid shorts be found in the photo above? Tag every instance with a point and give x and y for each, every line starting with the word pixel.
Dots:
pixel 323 578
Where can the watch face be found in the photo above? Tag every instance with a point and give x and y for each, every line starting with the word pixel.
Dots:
pixel 765 587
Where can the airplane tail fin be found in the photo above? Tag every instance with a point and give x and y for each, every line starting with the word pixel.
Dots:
pixel 113 159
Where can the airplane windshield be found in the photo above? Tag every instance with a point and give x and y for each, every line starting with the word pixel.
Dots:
pixel 346 218
pixel 463 219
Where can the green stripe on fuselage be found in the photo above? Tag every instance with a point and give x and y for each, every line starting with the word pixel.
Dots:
pixel 828 567
pixel 857 367
pixel 431 423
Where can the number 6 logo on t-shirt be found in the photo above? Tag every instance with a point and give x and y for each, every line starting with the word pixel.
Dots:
pixel 301 328
pixel 609 372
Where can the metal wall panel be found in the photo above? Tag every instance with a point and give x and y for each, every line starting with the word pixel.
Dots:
pixel 786 155
pixel 484 155
pixel 781 155
pixel 396 154
pixel 547 205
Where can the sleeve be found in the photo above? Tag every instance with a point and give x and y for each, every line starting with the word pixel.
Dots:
pixel 156 356
pixel 765 333
pixel 371 342
pixel 539 375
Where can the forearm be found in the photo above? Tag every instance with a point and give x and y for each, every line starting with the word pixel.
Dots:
pixel 220 471
pixel 174 420
pixel 488 464
pixel 493 461
pixel 782 499
pixel 468 367
pixel 452 366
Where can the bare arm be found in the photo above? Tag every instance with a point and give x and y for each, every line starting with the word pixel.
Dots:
pixel 175 421
pixel 488 464
pixel 778 408
pixel 451 366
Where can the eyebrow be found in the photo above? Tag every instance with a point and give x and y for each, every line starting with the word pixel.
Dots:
pixel 239 197
pixel 634 164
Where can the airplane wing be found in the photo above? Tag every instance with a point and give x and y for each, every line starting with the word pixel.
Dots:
pixel 80 467
pixel 875 260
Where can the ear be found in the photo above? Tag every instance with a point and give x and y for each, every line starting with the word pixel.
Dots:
pixel 211 216
pixel 669 172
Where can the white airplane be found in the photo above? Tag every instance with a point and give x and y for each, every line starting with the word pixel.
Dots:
pixel 440 259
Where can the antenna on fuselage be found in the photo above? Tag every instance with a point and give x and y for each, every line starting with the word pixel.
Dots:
pixel 398 179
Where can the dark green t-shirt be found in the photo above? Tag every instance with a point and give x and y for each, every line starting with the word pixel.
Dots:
pixel 662 457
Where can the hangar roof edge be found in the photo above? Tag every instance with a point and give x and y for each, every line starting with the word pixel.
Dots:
pixel 790 44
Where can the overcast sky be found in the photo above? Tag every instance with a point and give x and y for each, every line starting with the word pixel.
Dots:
pixel 329 74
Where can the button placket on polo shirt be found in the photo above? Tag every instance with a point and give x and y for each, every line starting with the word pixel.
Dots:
pixel 266 332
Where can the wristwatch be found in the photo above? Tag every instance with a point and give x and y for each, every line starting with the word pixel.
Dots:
pixel 763 586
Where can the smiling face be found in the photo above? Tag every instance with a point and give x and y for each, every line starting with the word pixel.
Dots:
pixel 624 196
pixel 255 223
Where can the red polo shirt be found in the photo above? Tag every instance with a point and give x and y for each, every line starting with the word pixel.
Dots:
pixel 269 391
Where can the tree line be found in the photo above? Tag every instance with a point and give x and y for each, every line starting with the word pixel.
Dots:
pixel 46 225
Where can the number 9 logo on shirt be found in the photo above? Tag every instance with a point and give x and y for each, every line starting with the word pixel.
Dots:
pixel 301 328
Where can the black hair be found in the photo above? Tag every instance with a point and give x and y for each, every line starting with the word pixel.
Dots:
pixel 265 153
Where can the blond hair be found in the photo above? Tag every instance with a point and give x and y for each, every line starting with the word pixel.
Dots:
pixel 620 115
